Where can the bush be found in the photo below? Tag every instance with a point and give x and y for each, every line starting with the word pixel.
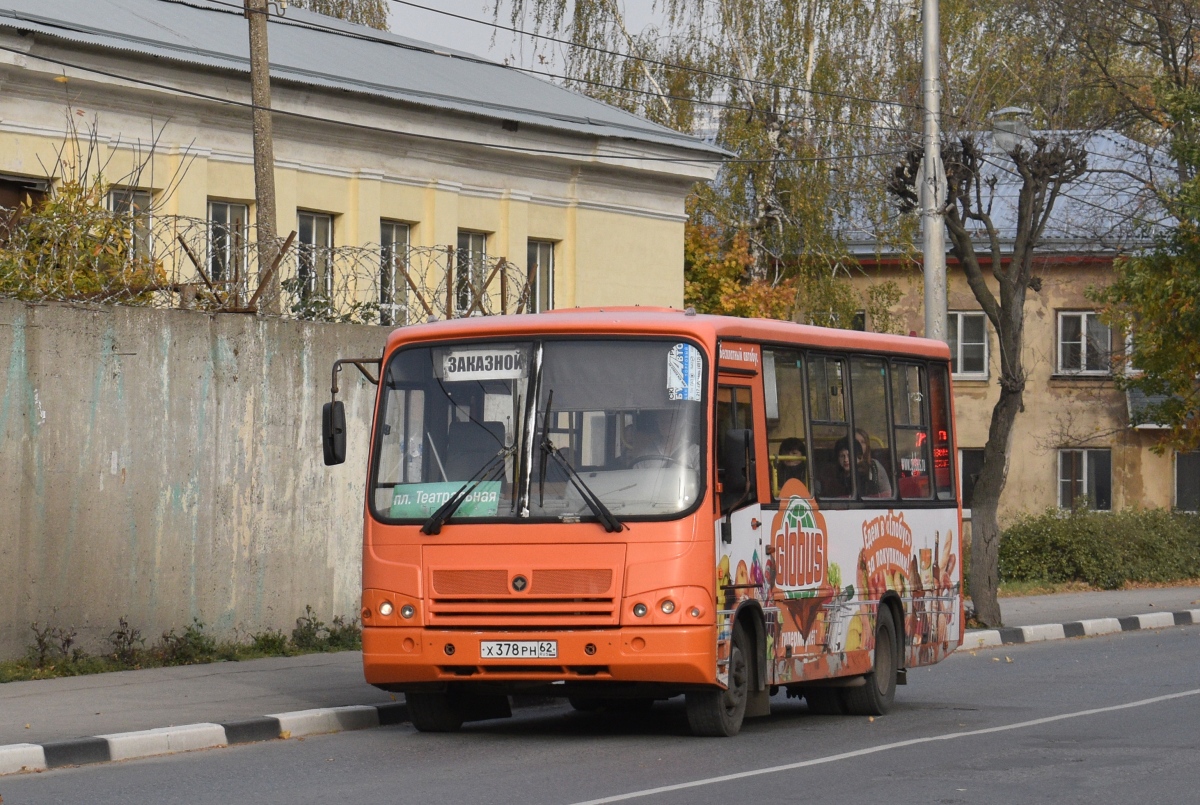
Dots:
pixel 1102 549
pixel 311 633
pixel 193 646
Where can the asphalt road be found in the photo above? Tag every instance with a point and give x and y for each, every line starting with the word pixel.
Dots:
pixel 1111 719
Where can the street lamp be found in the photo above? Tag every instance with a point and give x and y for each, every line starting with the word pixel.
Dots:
pixel 1010 129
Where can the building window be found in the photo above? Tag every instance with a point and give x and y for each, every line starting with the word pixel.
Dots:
pixel 469 273
pixel 393 267
pixel 970 464
pixel 1084 344
pixel 314 240
pixel 136 204
pixel 859 321
pixel 228 224
pixel 1187 481
pixel 968 345
pixel 541 273
pixel 1085 479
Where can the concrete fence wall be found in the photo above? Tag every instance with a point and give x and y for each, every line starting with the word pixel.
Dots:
pixel 166 465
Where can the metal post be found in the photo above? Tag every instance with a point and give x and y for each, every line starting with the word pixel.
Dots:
pixel 932 193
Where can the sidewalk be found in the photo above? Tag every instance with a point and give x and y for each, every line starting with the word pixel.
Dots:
pixel 53 710
pixel 1065 607
pixel 100 704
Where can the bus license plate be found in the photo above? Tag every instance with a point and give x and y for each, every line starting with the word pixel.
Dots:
pixel 518 649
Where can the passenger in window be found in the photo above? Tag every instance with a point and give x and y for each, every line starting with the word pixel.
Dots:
pixel 872 478
pixel 790 462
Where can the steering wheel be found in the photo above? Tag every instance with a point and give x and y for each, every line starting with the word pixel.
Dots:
pixel 654 457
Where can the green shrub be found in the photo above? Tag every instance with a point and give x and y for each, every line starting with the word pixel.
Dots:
pixel 193 646
pixel 1103 549
pixel 270 642
pixel 311 633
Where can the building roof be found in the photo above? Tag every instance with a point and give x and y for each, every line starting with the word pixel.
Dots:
pixel 310 49
pixel 1110 209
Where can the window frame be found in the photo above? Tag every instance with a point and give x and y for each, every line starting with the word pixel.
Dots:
pixel 1085 474
pixel 141 244
pixel 322 272
pixel 1085 316
pixel 956 348
pixel 962 475
pixel 1175 485
pixel 475 263
pixel 391 285
pixel 238 276
pixel 543 276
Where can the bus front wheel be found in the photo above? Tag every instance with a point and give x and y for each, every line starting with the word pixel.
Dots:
pixel 434 712
pixel 876 697
pixel 719 713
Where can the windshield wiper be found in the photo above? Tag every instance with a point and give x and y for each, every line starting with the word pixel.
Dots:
pixel 602 512
pixel 491 471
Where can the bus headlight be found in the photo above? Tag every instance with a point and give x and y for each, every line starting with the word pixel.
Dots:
pixel 407 611
pixel 385 609
pixel 639 610
pixel 667 606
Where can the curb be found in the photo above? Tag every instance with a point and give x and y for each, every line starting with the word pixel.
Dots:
pixel 989 638
pixel 16 758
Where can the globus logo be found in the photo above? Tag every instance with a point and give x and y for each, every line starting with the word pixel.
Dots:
pixel 801 553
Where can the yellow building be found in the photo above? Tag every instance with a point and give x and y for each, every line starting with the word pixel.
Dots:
pixel 1076 441
pixel 380 141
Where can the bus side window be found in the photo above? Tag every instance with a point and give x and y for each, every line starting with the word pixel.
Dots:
pixel 939 406
pixel 786 448
pixel 872 436
pixel 910 417
pixel 830 426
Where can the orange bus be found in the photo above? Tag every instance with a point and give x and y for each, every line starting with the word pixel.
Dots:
pixel 623 505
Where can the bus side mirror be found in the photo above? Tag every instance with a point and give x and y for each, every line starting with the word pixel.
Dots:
pixel 333 432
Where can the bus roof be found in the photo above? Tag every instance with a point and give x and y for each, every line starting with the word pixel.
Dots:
pixel 619 320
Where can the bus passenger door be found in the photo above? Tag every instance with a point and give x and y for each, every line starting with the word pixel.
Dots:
pixel 739 528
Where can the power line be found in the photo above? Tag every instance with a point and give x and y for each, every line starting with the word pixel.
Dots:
pixel 655 62
pixel 433 137
pixel 314 26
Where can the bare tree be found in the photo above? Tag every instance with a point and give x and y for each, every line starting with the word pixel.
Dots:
pixel 1045 165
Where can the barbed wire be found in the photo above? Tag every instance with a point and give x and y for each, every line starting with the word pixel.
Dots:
pixel 167 261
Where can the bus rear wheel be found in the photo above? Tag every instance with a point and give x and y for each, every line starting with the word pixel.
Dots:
pixel 876 697
pixel 434 712
pixel 719 713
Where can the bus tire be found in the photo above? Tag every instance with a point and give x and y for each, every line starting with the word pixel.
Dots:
pixel 719 713
pixel 876 697
pixel 434 712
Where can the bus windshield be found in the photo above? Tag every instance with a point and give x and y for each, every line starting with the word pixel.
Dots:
pixel 565 430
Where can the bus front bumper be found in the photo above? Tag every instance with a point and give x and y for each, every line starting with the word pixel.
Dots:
pixel 672 655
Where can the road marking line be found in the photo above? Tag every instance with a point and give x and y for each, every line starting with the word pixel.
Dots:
pixel 883 748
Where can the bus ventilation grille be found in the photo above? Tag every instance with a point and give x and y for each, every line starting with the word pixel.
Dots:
pixel 574 597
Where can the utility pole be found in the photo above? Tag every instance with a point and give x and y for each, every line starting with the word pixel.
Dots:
pixel 933 193
pixel 264 152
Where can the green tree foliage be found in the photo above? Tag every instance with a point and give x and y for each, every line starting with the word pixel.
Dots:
pixel 70 245
pixel 1156 296
pixel 363 12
